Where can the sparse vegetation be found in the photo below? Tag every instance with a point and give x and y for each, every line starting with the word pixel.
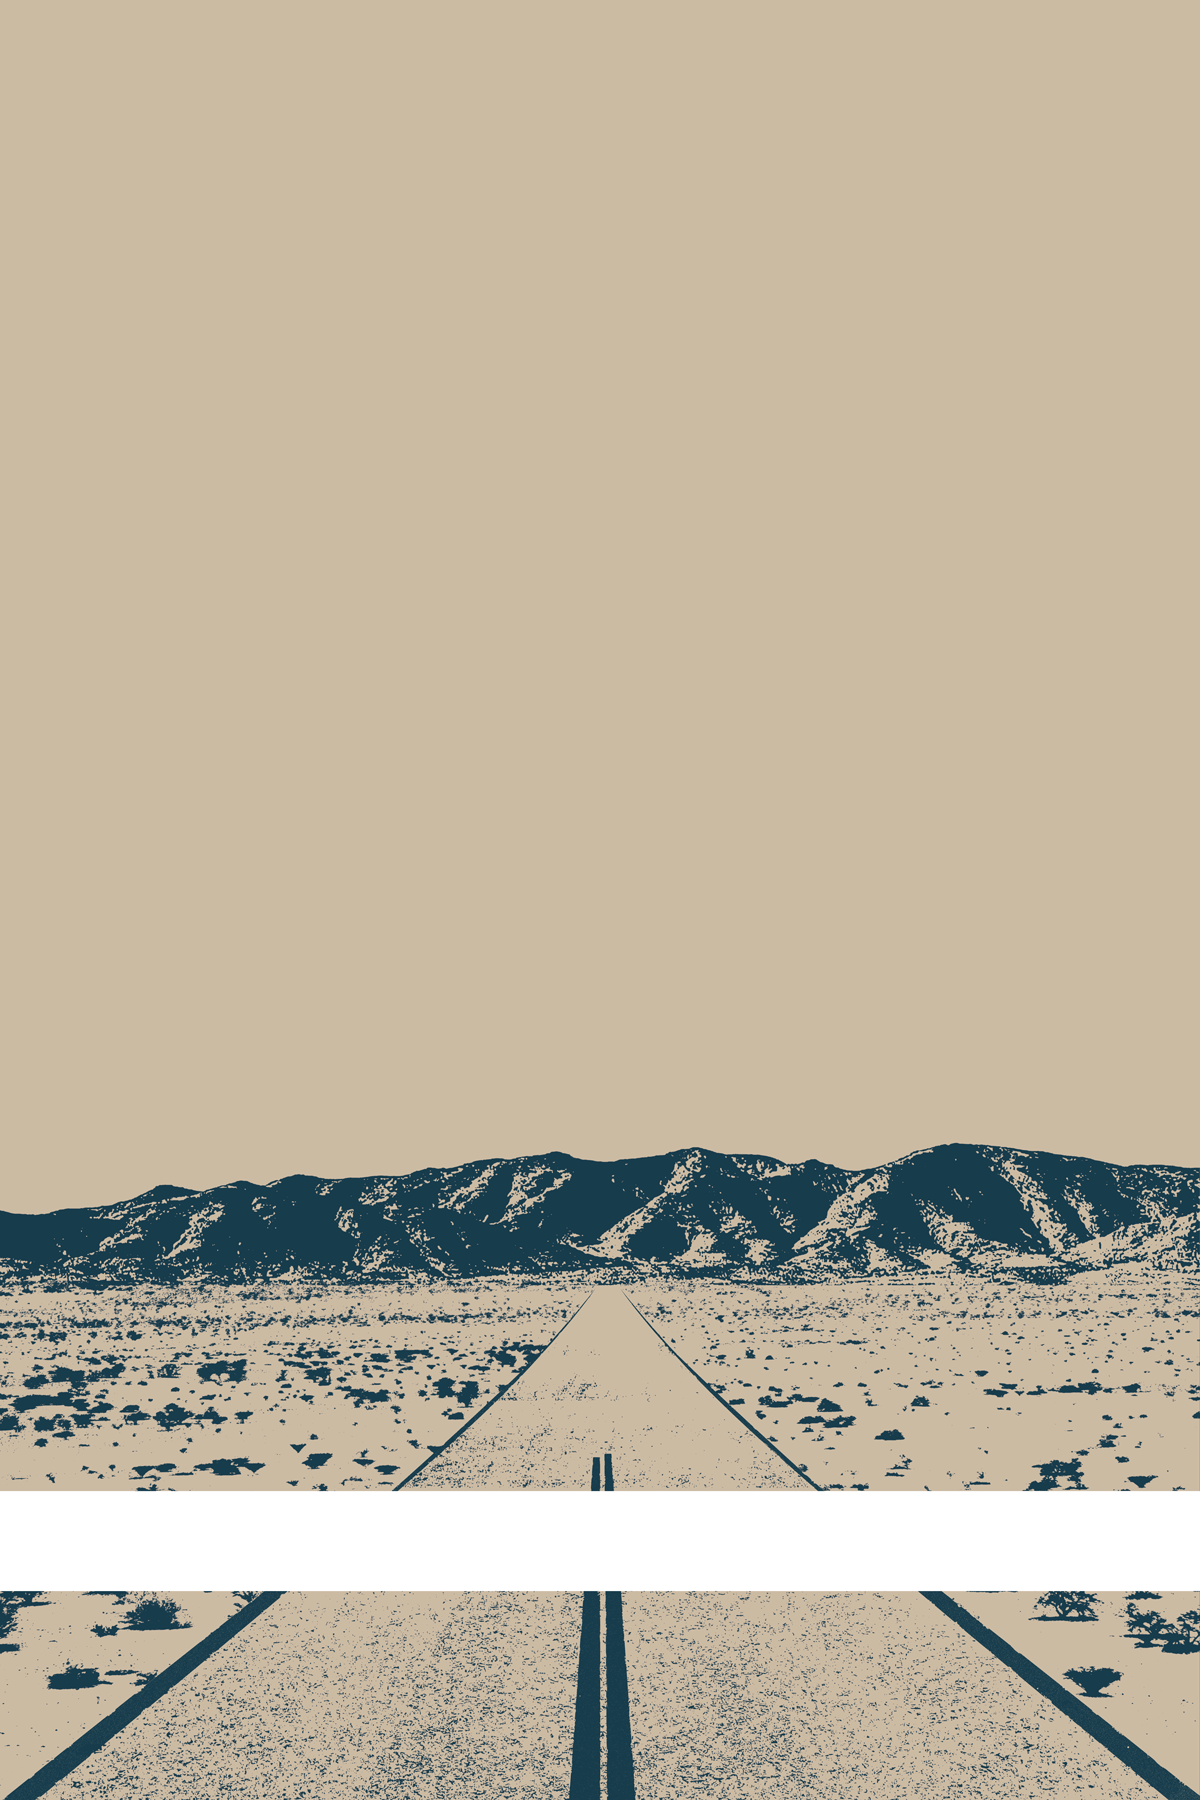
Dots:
pixel 75 1676
pixel 1182 1636
pixel 1055 1471
pixel 1069 1605
pixel 981 1376
pixel 354 1385
pixel 155 1612
pixel 221 1368
pixel 1093 1681
pixel 1177 1637
pixel 1146 1627
pixel 991 1382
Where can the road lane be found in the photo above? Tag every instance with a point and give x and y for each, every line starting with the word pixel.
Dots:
pixel 505 1695
pixel 618 1738
pixel 363 1696
pixel 826 1695
pixel 585 1749
pixel 609 1382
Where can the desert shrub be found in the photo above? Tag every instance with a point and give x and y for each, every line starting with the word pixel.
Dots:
pixel 104 1631
pixel 1069 1605
pixel 154 1612
pixel 1055 1471
pixel 1147 1627
pixel 234 1368
pixel 76 1377
pixel 170 1416
pixel 1182 1637
pixel 73 1676
pixel 1093 1680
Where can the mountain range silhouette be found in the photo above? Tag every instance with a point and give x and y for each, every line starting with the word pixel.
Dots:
pixel 690 1212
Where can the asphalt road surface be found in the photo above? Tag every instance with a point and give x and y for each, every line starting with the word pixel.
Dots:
pixel 362 1695
pixel 608 1382
pixel 829 1695
pixel 817 1695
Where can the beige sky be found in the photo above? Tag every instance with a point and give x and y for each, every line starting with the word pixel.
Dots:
pixel 596 581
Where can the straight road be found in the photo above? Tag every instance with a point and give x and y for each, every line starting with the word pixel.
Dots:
pixel 608 1381
pixel 504 1696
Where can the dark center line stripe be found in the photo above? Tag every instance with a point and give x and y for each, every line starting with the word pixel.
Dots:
pixel 585 1750
pixel 618 1729
pixel 618 1732
pixel 158 1685
pixel 1131 1754
pixel 595 1474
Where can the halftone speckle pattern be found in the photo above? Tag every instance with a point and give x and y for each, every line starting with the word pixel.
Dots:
pixel 364 1695
pixel 830 1695
pixel 747 1695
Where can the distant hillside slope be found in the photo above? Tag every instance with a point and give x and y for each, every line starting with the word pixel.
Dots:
pixel 694 1211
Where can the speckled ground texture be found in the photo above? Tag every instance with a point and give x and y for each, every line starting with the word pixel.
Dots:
pixel 737 1694
pixel 57 1629
pixel 892 1382
pixel 840 1694
pixel 364 1694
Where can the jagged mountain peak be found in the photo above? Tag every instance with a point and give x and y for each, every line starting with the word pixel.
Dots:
pixel 691 1211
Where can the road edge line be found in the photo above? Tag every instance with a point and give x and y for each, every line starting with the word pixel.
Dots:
pixel 494 1401
pixel 1114 1741
pixel 107 1728
pixel 753 1429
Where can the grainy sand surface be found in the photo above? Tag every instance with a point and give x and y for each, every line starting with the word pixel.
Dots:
pixel 833 1695
pixel 892 1382
pixel 37 1721
pixel 977 1383
pixel 734 1694
pixel 264 1388
pixel 364 1695
pixel 1156 1702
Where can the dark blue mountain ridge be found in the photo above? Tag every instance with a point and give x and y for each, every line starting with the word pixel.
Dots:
pixel 693 1212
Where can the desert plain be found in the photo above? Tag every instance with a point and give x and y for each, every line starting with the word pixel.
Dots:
pixel 913 1381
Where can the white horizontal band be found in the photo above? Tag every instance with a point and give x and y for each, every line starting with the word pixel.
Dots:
pixel 633 1541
